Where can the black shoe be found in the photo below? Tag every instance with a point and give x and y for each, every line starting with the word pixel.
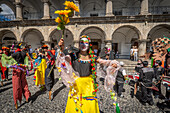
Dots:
pixel 143 103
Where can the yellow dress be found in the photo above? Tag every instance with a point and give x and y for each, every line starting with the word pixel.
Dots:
pixel 80 97
pixel 40 73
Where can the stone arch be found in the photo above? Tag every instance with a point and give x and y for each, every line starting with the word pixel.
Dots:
pixel 123 38
pixel 96 34
pixel 32 9
pixel 92 8
pixel 32 37
pixel 158 31
pixel 9 4
pixel 7 37
pixel 56 35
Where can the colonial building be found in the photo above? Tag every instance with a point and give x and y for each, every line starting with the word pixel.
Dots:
pixel 117 24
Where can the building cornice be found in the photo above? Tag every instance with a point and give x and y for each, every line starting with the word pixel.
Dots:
pixel 88 20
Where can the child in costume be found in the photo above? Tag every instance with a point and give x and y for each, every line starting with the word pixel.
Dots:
pixel 80 77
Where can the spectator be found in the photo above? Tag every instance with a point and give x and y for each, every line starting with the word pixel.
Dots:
pixel 120 79
pixel 117 54
pixel 131 53
pixel 135 53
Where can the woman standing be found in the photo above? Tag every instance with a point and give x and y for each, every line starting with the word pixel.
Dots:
pixel 80 77
pixel 79 96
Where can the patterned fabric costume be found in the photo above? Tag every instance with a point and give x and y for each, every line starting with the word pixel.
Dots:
pixel 49 72
pixel 80 97
pixel 40 71
pixel 19 81
pixel 2 72
pixel 78 77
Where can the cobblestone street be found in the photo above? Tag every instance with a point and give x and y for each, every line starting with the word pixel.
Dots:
pixel 40 103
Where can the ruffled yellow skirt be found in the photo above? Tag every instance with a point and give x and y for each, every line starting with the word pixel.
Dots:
pixel 80 97
pixel 40 73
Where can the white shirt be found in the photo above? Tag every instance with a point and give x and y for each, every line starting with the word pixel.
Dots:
pixel 124 72
pixel 135 50
pixel 131 51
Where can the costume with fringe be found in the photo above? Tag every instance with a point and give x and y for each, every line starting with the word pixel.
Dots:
pixel 19 81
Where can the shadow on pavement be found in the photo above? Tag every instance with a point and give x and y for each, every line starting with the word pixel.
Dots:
pixel 164 107
pixel 4 89
pixel 56 80
pixel 58 90
pixel 5 84
pixel 38 93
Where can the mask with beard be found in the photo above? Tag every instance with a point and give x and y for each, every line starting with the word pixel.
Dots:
pixel 84 44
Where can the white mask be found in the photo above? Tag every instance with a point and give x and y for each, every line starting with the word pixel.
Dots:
pixel 84 44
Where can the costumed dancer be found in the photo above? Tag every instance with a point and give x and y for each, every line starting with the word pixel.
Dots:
pixel 1 70
pixel 20 85
pixel 27 58
pixel 80 77
pixel 6 52
pixel 40 64
pixel 81 97
pixel 146 77
pixel 49 72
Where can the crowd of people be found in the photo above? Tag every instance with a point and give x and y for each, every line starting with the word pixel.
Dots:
pixel 150 80
pixel 77 68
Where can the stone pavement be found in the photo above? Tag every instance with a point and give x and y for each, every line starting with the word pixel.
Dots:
pixel 40 104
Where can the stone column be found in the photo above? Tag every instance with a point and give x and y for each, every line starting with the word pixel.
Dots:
pixel 109 44
pixel 76 43
pixel 102 45
pixel 77 3
pixel 142 47
pixel 19 8
pixel 144 7
pixel 46 9
pixel 109 8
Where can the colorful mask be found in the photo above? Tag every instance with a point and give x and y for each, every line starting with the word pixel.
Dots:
pixel 84 44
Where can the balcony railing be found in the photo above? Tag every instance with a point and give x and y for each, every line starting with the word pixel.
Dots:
pixel 53 15
pixel 33 15
pixel 7 17
pixel 90 20
pixel 130 11
pixel 158 10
